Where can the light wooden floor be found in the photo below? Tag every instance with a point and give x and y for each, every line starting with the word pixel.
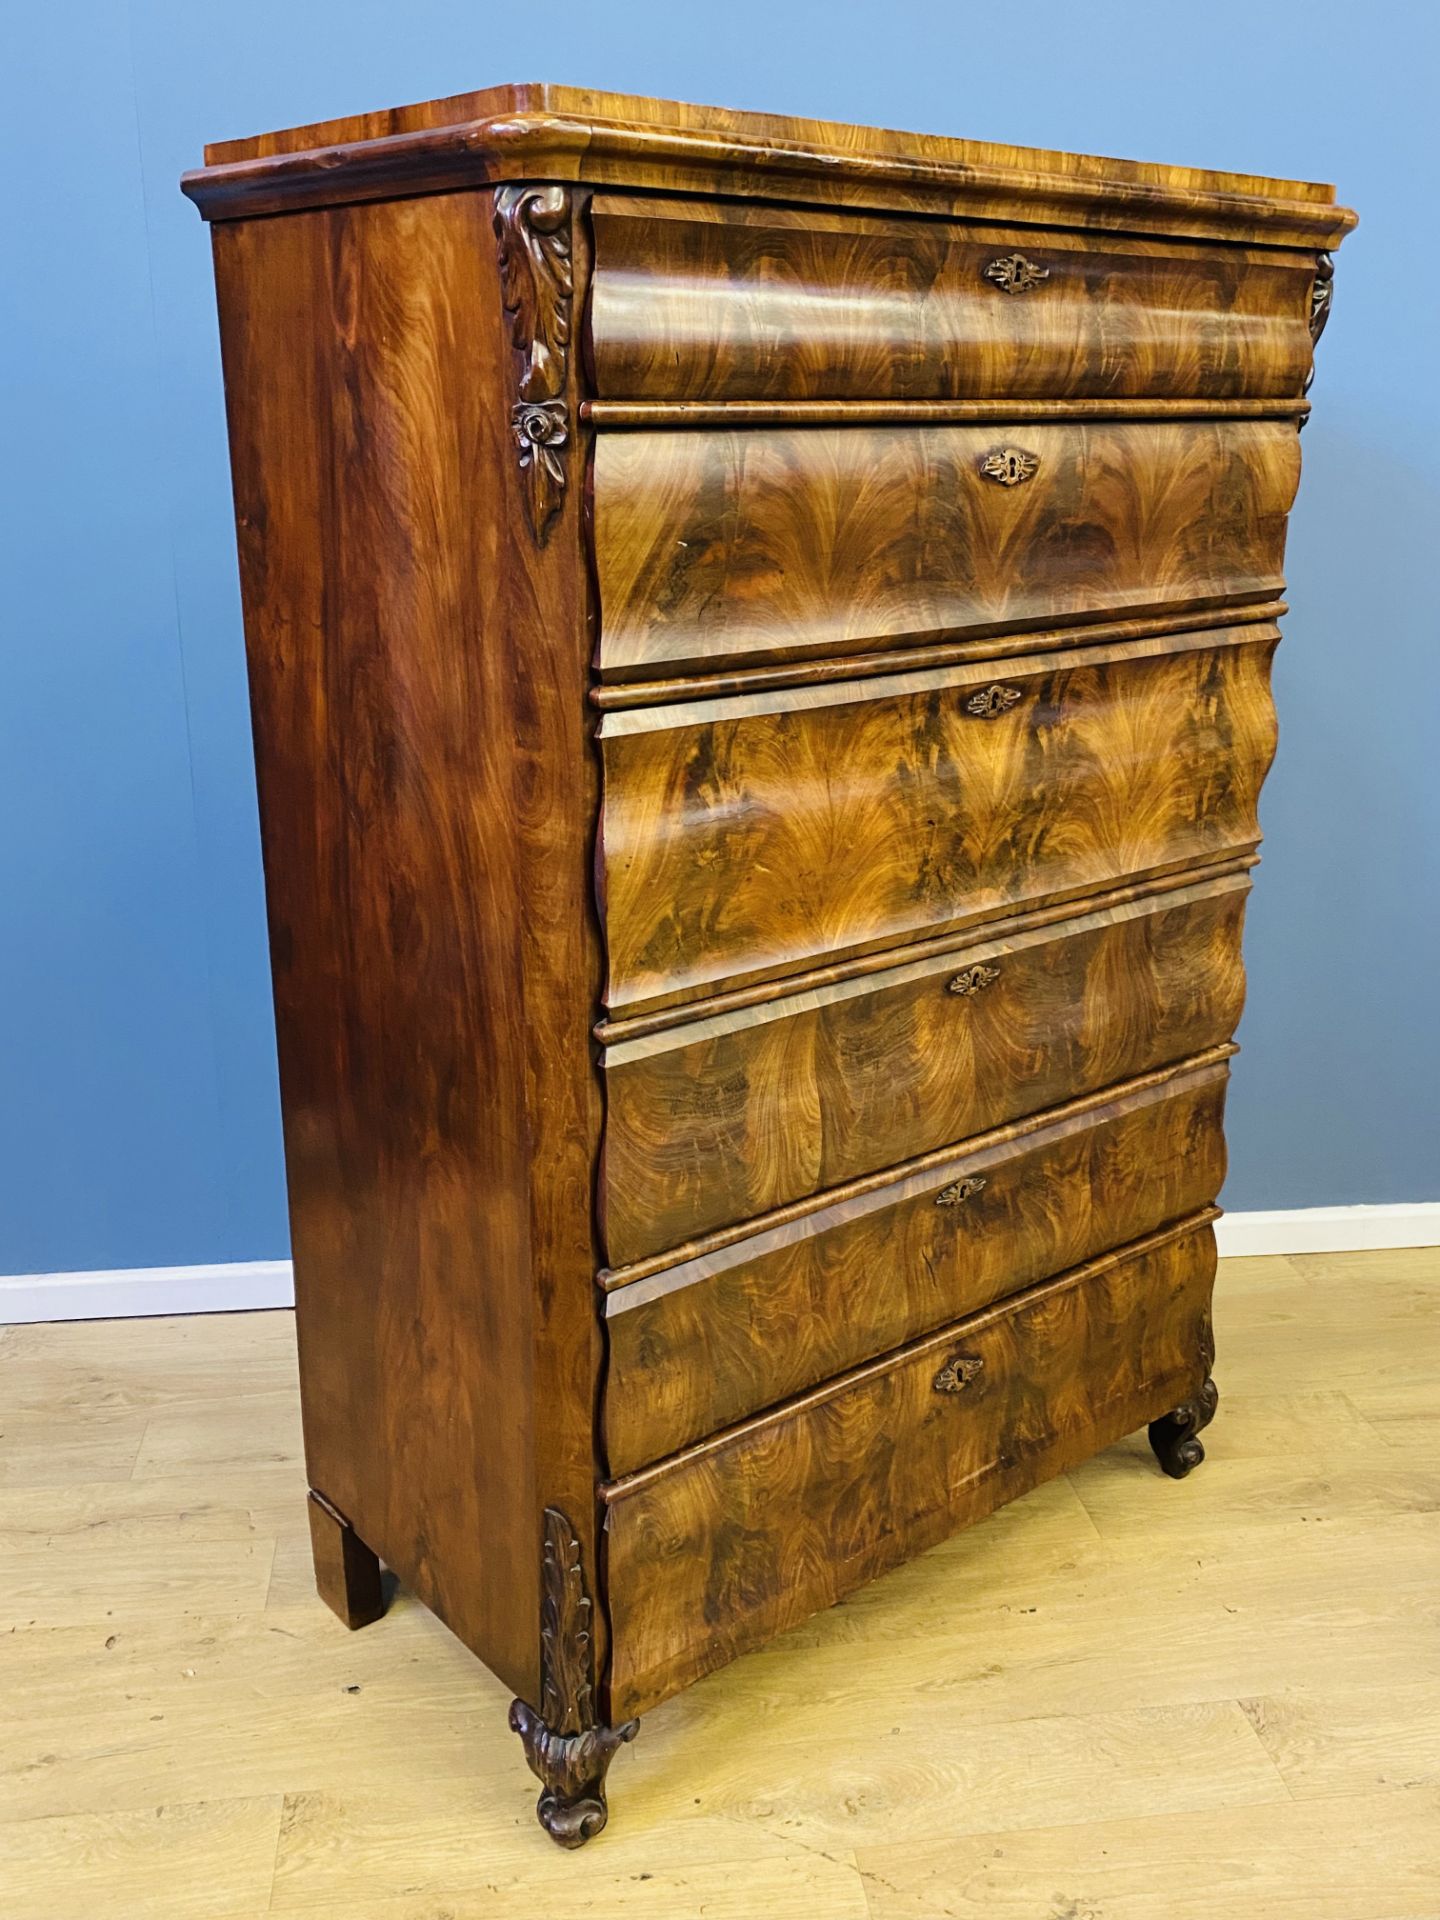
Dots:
pixel 1123 1698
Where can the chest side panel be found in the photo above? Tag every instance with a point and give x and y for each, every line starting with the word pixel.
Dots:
pixel 424 842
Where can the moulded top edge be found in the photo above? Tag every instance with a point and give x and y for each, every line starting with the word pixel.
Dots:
pixel 572 133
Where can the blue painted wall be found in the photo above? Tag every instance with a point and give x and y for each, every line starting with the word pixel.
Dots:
pixel 139 1108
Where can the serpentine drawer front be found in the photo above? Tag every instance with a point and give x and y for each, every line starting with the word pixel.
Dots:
pixel 779 1305
pixel 719 300
pixel 759 639
pixel 743 837
pixel 719 549
pixel 732 1541
pixel 732 1114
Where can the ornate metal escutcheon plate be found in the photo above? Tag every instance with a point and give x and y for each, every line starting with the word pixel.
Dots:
pixel 960 1190
pixel 1008 466
pixel 957 1373
pixel 992 700
pixel 1013 273
pixel 973 979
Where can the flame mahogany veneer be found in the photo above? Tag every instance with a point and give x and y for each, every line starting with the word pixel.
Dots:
pixel 759 640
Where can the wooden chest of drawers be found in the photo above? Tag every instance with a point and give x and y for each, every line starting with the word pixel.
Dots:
pixel 759 638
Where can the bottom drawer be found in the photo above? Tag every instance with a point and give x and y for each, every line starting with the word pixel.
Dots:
pixel 720 1548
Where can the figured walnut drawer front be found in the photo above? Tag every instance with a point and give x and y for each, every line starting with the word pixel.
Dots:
pixel 720 547
pixel 695 1347
pixel 723 1547
pixel 725 1118
pixel 751 835
pixel 711 300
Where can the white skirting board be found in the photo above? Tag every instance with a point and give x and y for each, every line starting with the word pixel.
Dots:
pixel 128 1293
pixel 244 1285
pixel 1329 1229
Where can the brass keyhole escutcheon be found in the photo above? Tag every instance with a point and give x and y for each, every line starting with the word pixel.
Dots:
pixel 1008 466
pixel 992 700
pixel 972 980
pixel 960 1191
pixel 1013 273
pixel 957 1373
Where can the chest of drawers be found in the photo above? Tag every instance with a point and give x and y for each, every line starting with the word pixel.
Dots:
pixel 759 637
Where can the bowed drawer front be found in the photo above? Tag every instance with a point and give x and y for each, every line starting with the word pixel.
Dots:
pixel 743 837
pixel 714 300
pixel 729 1543
pixel 740 1111
pixel 722 548
pixel 779 1306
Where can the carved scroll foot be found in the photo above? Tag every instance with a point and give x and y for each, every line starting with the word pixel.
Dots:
pixel 568 1751
pixel 1175 1436
pixel 347 1573
pixel 571 1768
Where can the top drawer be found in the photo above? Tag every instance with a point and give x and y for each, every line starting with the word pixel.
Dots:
pixel 701 300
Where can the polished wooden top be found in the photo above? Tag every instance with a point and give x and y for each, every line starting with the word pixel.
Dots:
pixel 550 132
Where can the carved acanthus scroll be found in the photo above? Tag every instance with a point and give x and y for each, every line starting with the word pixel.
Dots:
pixel 537 285
pixel 567 1750
pixel 1322 293
pixel 1175 1436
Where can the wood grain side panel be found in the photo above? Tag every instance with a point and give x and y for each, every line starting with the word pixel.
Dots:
pixel 743 837
pixel 703 1345
pixel 715 548
pixel 415 870
pixel 722 1548
pixel 717 300
pixel 725 1119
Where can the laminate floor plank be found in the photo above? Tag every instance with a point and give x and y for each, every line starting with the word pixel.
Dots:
pixel 1118 1698
pixel 1374 1857
pixel 186 1861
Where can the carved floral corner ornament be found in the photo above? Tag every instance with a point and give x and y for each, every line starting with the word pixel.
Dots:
pixel 566 1748
pixel 537 286
pixel 1322 294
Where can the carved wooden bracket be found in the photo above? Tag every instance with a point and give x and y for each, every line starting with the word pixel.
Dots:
pixel 537 285
pixel 565 1747
pixel 1322 292
pixel 961 1190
